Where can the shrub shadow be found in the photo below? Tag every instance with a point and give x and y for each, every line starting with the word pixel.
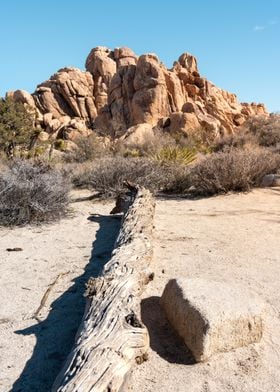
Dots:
pixel 56 334
pixel 163 339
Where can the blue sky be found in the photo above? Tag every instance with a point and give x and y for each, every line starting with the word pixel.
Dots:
pixel 236 42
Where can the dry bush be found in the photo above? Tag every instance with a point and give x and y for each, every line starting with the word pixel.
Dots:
pixel 265 129
pixel 106 175
pixel 32 192
pixel 88 149
pixel 151 145
pixel 242 139
pixel 234 170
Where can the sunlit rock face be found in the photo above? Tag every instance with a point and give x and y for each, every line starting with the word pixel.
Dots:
pixel 119 90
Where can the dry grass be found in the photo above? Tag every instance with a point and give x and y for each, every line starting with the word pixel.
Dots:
pixel 32 192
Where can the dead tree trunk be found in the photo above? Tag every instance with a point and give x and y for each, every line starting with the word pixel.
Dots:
pixel 111 336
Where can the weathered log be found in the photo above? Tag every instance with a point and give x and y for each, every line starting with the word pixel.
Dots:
pixel 111 336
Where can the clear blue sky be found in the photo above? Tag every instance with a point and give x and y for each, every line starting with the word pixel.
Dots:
pixel 237 43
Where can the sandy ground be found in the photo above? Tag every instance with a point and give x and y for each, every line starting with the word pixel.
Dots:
pixel 234 238
pixel 32 351
pixel 226 238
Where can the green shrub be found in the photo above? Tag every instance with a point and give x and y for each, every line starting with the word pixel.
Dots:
pixel 16 127
pixel 175 155
pixel 32 192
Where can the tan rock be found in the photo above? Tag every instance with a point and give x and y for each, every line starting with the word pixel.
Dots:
pixel 238 119
pixel 188 62
pixel 124 56
pixel 68 92
pixel 23 97
pixel 185 123
pixel 43 136
pixel 213 317
pixel 100 63
pixel 192 90
pixel 175 91
pixel 150 100
pixel 137 135
pixel 120 90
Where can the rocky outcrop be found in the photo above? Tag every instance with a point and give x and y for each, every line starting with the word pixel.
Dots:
pixel 120 90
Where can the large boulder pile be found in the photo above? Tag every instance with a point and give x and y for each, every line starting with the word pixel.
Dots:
pixel 119 90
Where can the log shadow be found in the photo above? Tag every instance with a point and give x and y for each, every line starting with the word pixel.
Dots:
pixel 163 338
pixel 55 335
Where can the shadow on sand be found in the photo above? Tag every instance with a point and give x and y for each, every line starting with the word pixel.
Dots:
pixel 56 334
pixel 163 339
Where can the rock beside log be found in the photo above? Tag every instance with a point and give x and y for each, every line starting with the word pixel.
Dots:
pixel 212 317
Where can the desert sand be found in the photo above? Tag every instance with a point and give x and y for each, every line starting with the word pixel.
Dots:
pixel 33 351
pixel 232 238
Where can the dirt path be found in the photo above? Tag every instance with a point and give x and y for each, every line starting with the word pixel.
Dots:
pixel 233 238
pixel 50 271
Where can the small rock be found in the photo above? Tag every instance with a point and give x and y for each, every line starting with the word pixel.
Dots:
pixel 270 180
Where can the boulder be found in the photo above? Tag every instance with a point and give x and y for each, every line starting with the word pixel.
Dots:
pixel 68 92
pixel 213 317
pixel 137 135
pixel 23 97
pixel 185 123
pixel 43 136
pixel 150 100
pixel 270 180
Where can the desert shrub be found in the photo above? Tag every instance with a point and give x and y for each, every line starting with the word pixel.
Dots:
pixel 32 192
pixel 242 139
pixel 176 155
pixel 17 128
pixel 150 145
pixel 265 129
pixel 107 175
pixel 234 170
pixel 88 149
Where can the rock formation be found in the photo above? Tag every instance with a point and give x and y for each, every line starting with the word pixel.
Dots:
pixel 120 90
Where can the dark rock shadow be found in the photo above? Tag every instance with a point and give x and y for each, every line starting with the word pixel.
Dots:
pixel 163 339
pixel 56 334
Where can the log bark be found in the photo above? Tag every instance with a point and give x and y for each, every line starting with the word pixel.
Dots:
pixel 111 337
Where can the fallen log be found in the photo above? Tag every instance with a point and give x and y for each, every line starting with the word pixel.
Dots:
pixel 111 337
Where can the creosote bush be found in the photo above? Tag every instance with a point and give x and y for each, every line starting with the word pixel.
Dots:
pixel 234 170
pixel 32 192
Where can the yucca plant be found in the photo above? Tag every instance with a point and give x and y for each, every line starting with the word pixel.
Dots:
pixel 175 154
